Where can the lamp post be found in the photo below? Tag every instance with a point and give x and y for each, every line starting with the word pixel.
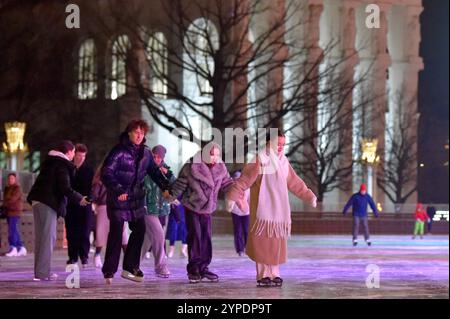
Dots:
pixel 370 158
pixel 14 146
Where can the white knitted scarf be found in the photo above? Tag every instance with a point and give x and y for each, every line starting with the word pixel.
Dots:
pixel 273 215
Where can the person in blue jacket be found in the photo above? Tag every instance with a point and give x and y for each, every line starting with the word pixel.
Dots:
pixel 359 202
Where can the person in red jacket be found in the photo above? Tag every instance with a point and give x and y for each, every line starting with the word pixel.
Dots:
pixel 420 217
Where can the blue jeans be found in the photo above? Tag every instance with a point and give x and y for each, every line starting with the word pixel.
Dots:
pixel 14 235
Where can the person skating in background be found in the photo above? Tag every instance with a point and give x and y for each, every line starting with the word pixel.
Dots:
pixel 157 206
pixel 420 217
pixel 123 173
pixel 241 221
pixel 12 202
pixel 98 196
pixel 78 219
pixel 359 202
pixel 431 211
pixel 176 229
pixel 270 178
pixel 200 181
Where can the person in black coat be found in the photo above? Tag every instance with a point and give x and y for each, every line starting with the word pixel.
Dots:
pixel 123 173
pixel 78 220
pixel 48 197
pixel 431 211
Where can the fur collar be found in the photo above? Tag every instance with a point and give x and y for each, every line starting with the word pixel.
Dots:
pixel 209 176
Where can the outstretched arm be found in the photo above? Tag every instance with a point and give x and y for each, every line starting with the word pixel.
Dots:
pixel 298 187
pixel 237 192
pixel 227 183
pixel 248 177
pixel 63 182
pixel 157 176
pixel 373 206
pixel 181 183
pixel 347 206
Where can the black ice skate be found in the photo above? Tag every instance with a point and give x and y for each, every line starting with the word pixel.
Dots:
pixel 277 281
pixel 264 282
pixel 208 275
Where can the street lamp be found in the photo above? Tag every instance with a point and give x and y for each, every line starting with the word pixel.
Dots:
pixel 370 158
pixel 14 146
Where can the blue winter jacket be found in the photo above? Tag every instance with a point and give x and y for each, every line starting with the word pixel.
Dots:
pixel 359 203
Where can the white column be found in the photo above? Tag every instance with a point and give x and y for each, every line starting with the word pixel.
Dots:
pixel 347 19
pixel 374 59
pixel 414 65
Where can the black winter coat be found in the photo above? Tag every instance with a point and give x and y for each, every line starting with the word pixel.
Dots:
pixel 82 183
pixel 123 172
pixel 52 186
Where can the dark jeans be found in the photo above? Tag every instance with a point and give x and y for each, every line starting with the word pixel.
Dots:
pixel 430 225
pixel 199 234
pixel 78 228
pixel 356 221
pixel 240 224
pixel 132 258
pixel 13 232
pixel 176 231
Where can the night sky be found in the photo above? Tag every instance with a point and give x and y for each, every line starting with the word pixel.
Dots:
pixel 434 103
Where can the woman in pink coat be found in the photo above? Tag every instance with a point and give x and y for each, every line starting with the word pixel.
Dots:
pixel 270 178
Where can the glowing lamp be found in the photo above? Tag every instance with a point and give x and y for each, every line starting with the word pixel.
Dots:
pixel 369 150
pixel 15 132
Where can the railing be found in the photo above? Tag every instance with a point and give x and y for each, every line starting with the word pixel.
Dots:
pixel 442 210
pixel 387 208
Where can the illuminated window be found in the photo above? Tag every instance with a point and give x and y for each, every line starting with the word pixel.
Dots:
pixel 157 56
pixel 118 84
pixel 202 41
pixel 87 70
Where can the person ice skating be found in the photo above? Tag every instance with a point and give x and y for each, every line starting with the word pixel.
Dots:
pixel 78 219
pixel 420 217
pixel 176 229
pixel 270 177
pixel 157 206
pixel 200 181
pixel 123 173
pixel 359 202
pixel 48 197
pixel 431 211
pixel 12 202
pixel 98 196
pixel 241 221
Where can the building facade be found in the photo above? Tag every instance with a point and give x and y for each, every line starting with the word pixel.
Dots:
pixel 86 83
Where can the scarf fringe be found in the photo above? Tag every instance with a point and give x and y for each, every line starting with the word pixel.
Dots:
pixel 271 228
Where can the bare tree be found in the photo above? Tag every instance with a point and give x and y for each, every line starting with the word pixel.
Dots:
pixel 29 90
pixel 397 178
pixel 324 155
pixel 234 71
pixel 232 66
